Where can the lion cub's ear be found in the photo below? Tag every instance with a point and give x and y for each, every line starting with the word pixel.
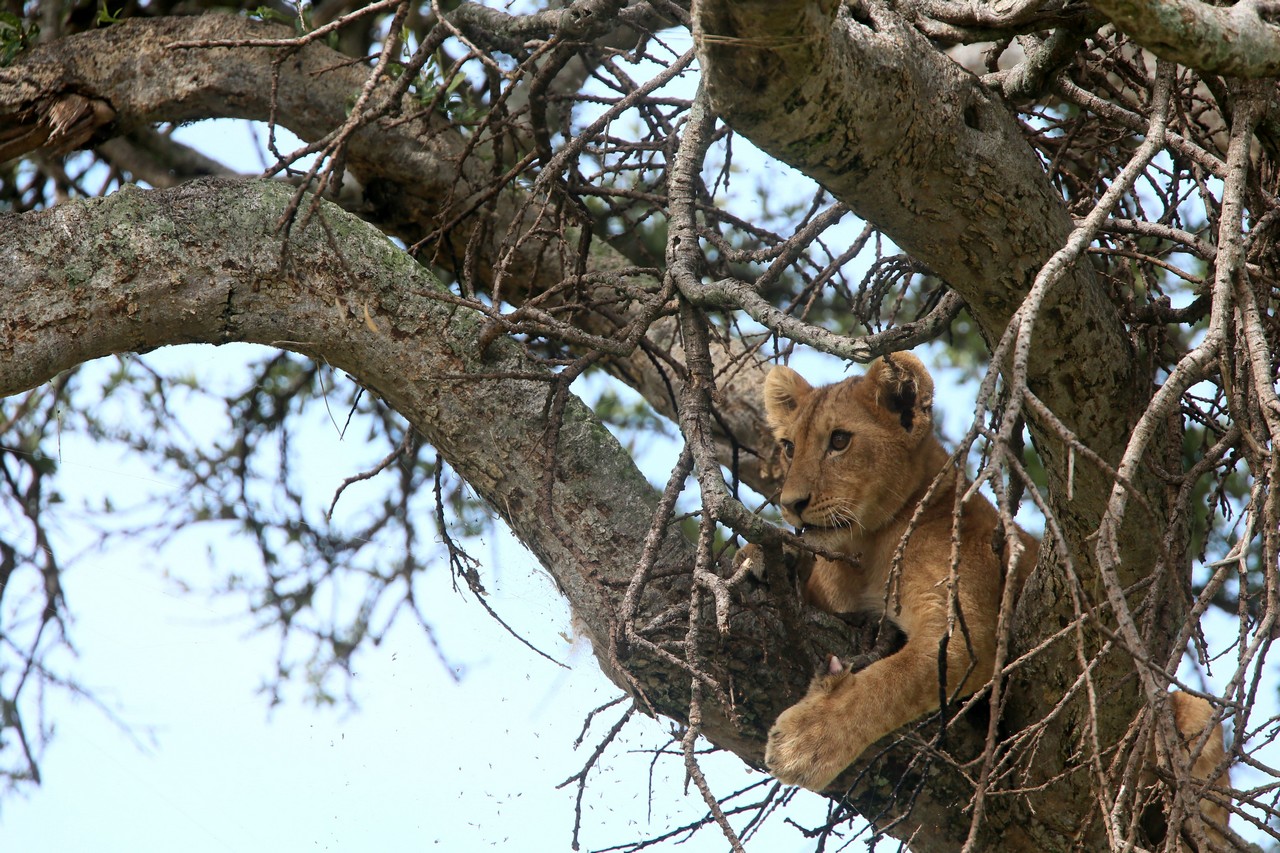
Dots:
pixel 784 391
pixel 904 387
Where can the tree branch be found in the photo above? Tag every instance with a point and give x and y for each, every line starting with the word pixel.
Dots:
pixel 1240 40
pixel 204 263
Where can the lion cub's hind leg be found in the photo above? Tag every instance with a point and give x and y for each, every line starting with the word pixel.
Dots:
pixel 1192 717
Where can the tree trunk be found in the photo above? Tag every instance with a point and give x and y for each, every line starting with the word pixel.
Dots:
pixel 913 142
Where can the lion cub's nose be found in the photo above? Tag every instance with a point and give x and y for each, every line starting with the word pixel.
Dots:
pixel 794 505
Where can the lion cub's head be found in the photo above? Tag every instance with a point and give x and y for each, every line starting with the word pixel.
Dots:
pixel 856 451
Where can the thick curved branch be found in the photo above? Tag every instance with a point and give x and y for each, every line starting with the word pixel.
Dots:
pixel 131 68
pixel 204 263
pixel 1240 40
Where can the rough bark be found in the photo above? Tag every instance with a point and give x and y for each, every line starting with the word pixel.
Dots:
pixel 1235 40
pixel 914 143
pixel 204 264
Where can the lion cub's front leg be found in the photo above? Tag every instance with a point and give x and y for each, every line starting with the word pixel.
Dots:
pixel 804 745
pixel 845 712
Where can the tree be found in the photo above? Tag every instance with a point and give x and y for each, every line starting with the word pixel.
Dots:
pixel 1084 216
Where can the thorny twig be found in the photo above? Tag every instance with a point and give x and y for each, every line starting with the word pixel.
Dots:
pixel 464 566
pixel 402 449
pixel 581 776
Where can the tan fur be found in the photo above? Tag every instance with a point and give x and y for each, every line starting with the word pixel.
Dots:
pixel 857 498
pixel 1192 715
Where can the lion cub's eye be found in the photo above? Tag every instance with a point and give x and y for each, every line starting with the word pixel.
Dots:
pixel 840 439
pixel 787 448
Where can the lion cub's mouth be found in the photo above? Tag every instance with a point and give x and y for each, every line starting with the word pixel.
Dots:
pixel 819 527
pixel 831 542
pixel 822 533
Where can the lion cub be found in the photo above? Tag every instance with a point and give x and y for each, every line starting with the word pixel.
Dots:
pixel 861 454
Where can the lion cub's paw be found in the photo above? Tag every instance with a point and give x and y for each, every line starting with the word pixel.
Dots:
pixel 808 744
